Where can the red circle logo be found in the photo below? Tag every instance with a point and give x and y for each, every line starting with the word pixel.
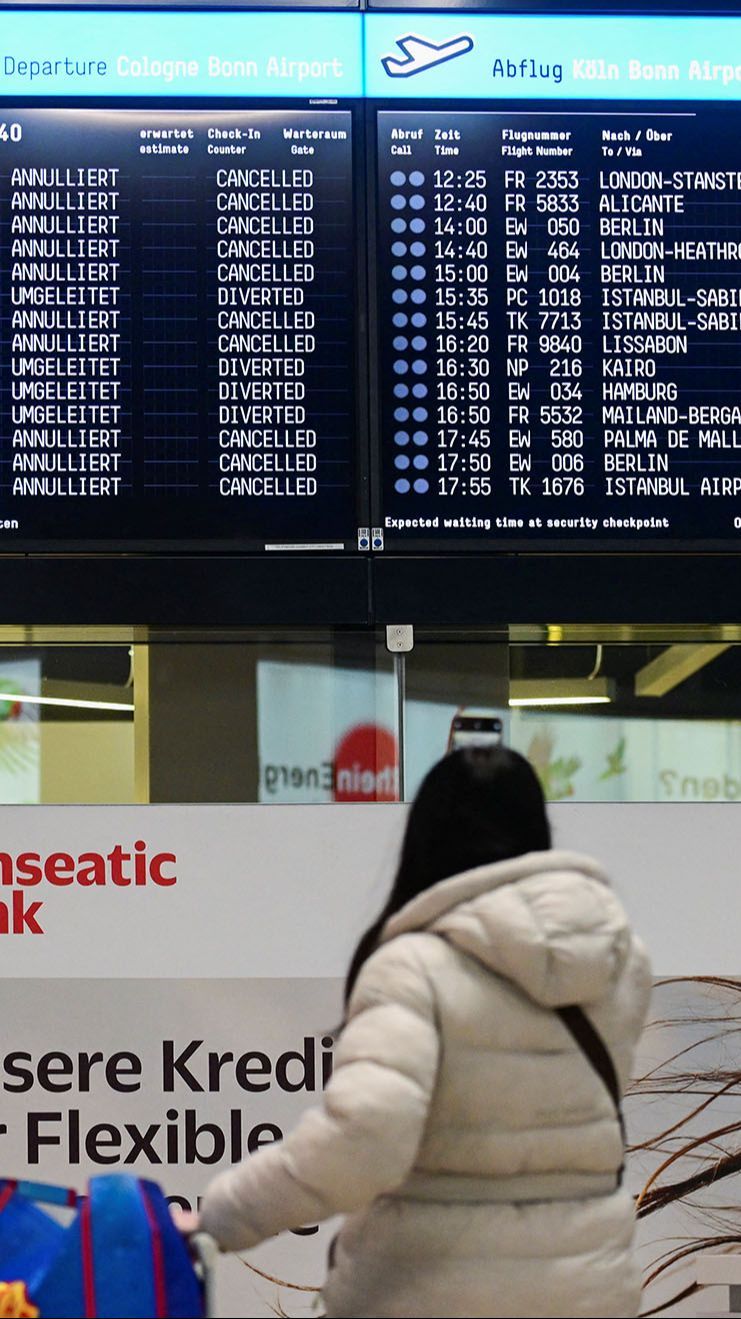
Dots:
pixel 366 765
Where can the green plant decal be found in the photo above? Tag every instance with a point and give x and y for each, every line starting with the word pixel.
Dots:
pixel 615 762
pixel 555 775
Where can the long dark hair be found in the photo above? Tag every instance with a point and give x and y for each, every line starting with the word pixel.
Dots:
pixel 474 807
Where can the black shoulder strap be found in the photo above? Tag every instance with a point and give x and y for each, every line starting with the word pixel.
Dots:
pixel 596 1052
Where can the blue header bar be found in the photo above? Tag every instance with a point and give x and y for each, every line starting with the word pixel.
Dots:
pixel 575 57
pixel 64 53
pixel 409 56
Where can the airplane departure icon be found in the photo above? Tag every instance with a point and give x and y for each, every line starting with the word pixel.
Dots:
pixel 420 54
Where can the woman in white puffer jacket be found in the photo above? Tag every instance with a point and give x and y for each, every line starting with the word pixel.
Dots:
pixel 466 1134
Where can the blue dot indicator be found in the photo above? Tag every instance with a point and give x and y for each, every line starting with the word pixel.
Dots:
pixel 416 178
pixel 401 461
pixel 420 391
pixel 418 249
pixel 416 201
pixel 398 225
pixel 419 366
pixel 399 272
pixel 401 437
pixel 420 461
pixel 419 414
pixel 420 438
pixel 421 486
pixel 417 225
pixel 398 202
pixel 399 249
pixel 397 178
pixel 400 318
pixel 419 295
pixel 401 391
pixel 402 414
pixel 400 366
pixel 418 272
pixel 402 485
pixel 419 343
pixel 399 295
pixel 400 343
pixel 419 319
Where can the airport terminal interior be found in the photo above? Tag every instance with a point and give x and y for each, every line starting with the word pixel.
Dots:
pixel 366 369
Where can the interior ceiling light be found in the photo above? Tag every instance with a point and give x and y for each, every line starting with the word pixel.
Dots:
pixel 560 691
pixel 24 699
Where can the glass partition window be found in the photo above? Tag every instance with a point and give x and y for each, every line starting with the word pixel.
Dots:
pixel 603 714
pixel 66 724
pixel 122 715
pixel 662 722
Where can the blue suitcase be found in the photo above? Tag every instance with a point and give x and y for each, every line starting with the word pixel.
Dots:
pixel 120 1256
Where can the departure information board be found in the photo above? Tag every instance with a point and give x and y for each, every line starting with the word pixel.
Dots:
pixel 462 281
pixel 178 262
pixel 561 312
pixel 558 273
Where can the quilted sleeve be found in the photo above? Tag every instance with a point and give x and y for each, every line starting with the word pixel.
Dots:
pixel 363 1139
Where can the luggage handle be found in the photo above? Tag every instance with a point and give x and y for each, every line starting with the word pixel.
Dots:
pixel 43 1192
pixel 205 1252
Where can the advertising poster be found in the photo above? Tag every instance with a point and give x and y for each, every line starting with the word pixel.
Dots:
pixel 248 918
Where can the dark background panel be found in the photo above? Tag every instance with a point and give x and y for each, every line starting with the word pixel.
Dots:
pixel 225 591
pixel 448 590
pixel 476 590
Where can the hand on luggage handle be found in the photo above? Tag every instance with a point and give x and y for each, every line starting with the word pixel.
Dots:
pixel 185 1220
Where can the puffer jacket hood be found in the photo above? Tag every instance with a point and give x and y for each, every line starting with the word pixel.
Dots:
pixel 547 921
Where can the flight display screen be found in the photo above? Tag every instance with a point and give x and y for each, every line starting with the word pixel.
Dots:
pixel 559 288
pixel 178 301
pixel 561 305
pixel 179 345
pixel 448 281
